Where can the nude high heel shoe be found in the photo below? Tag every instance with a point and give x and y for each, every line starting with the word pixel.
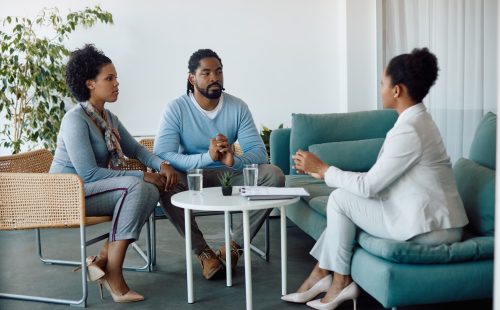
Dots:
pixel 351 291
pixel 94 272
pixel 129 296
pixel 321 286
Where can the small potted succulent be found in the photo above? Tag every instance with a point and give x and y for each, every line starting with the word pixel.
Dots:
pixel 226 181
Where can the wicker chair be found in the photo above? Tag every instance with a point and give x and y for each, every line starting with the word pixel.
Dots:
pixel 149 144
pixel 54 201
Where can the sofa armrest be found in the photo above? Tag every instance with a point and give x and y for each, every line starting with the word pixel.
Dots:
pixel 280 148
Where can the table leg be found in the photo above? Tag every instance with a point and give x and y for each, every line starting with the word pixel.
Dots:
pixel 283 250
pixel 229 276
pixel 248 262
pixel 189 258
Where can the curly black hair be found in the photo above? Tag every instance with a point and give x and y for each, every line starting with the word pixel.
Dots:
pixel 194 63
pixel 84 64
pixel 418 71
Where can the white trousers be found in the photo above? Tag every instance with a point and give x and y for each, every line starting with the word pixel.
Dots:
pixel 346 213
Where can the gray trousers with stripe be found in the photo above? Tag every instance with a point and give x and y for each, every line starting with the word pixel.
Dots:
pixel 130 200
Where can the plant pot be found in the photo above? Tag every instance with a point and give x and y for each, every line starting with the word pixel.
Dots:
pixel 227 190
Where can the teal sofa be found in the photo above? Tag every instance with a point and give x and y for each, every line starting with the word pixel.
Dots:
pixel 397 273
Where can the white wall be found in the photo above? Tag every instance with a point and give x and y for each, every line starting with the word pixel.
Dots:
pixel 491 50
pixel 356 54
pixel 361 45
pixel 278 56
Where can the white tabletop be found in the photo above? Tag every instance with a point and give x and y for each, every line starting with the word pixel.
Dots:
pixel 211 199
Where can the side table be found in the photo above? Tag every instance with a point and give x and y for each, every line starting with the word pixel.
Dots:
pixel 211 199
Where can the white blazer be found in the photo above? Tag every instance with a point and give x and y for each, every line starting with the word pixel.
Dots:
pixel 412 179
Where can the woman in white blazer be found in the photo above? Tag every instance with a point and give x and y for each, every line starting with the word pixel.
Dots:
pixel 408 194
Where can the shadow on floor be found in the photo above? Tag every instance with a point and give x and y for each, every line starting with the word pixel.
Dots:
pixel 22 272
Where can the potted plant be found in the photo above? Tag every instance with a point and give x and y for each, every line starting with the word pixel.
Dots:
pixel 33 93
pixel 226 182
pixel 265 135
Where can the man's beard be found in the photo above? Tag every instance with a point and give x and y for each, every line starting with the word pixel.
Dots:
pixel 211 95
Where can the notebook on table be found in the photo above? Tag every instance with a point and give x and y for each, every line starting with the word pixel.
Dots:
pixel 272 193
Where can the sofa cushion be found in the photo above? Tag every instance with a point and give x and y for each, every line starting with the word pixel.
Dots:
pixel 358 156
pixel 475 248
pixel 397 285
pixel 319 204
pixel 483 148
pixel 313 186
pixel 309 129
pixel 476 185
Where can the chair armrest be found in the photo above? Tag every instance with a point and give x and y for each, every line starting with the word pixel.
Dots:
pixel 133 164
pixel 41 200
pixel 280 148
pixel 33 161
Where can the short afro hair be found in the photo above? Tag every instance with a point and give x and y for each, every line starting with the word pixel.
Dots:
pixel 84 64
pixel 417 71
pixel 194 63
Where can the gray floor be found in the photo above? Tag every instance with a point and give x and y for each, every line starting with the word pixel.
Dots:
pixel 21 271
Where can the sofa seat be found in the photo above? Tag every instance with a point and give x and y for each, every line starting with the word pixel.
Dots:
pixel 404 252
pixel 313 186
pixel 397 273
pixel 410 284
pixel 313 223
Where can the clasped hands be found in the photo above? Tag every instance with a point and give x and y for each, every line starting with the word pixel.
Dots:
pixel 308 163
pixel 165 180
pixel 221 150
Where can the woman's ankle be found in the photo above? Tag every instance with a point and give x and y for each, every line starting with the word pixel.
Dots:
pixel 319 272
pixel 116 281
pixel 101 262
pixel 311 280
pixel 117 286
pixel 341 281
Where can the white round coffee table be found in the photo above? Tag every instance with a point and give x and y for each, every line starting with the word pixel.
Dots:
pixel 211 199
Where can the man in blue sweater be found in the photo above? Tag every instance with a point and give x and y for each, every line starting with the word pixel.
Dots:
pixel 197 130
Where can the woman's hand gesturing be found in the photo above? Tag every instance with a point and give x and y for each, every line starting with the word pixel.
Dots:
pixel 308 163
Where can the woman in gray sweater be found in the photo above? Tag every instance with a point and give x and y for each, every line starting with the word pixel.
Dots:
pixel 93 143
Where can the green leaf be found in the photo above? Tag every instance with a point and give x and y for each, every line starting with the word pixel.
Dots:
pixel 32 68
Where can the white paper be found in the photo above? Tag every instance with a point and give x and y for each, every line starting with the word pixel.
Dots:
pixel 273 191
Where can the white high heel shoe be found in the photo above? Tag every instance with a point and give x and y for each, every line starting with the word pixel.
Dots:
pixel 351 291
pixel 321 286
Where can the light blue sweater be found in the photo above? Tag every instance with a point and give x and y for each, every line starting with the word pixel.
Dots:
pixel 185 132
pixel 81 148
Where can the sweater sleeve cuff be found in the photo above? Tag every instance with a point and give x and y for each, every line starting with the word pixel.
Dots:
pixel 331 176
pixel 238 163
pixel 206 159
pixel 156 163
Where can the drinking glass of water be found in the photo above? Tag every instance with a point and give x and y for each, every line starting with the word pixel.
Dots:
pixel 250 175
pixel 195 180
